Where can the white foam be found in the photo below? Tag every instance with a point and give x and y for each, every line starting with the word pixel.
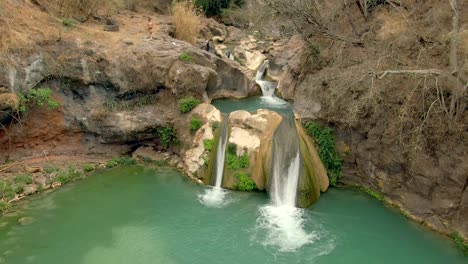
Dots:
pixel 215 197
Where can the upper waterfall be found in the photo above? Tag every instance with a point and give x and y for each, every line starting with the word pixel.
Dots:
pixel 268 87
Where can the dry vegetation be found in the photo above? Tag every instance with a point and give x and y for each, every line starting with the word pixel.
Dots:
pixel 187 21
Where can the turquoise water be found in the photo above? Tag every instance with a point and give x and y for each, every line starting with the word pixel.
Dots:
pixel 252 104
pixel 138 215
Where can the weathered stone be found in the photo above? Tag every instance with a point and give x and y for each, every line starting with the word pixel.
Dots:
pixel 111 28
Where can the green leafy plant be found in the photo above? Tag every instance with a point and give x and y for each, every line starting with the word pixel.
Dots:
pixel 49 169
pixel 215 7
pixel 88 167
pixel 235 162
pixel 39 96
pixel 187 104
pixel 208 144
pixel 24 179
pixel 72 174
pixel 195 124
pixel 245 183
pixel 215 126
pixel 232 149
pixel 68 22
pixel 460 242
pixel 125 160
pixel 6 190
pixel 4 207
pixel 325 140
pixel 168 136
pixel 184 56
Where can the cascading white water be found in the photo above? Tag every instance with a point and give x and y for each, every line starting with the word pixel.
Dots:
pixel 268 87
pixel 221 153
pixel 281 223
pixel 216 196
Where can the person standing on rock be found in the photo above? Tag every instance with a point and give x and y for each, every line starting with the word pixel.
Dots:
pixel 150 28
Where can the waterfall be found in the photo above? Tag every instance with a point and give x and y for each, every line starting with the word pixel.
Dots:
pixel 281 223
pixel 268 87
pixel 221 153
pixel 216 196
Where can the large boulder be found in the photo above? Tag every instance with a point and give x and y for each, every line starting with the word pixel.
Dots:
pixel 252 134
pixel 195 158
pixel 287 60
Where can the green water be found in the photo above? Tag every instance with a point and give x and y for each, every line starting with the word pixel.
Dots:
pixel 136 215
pixel 252 104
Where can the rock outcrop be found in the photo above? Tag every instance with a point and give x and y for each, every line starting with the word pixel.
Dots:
pixel 252 135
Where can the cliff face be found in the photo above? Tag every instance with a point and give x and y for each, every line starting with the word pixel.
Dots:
pixel 113 87
pixel 397 102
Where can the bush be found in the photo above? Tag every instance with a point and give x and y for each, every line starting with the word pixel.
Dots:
pixel 325 140
pixel 245 183
pixel 70 175
pixel 232 149
pixel 50 169
pixel 187 104
pixel 184 56
pixel 24 179
pixel 168 136
pixel 68 22
pixel 208 144
pixel 40 97
pixel 88 167
pixel 215 126
pixel 235 162
pixel 126 161
pixel 215 7
pixel 195 124
pixel 187 22
pixel 460 242
pixel 6 190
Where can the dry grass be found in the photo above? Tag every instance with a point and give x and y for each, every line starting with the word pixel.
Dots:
pixel 187 21
pixel 9 100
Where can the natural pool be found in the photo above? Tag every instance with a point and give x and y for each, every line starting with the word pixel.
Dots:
pixel 138 215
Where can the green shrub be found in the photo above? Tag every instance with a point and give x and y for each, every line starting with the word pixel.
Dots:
pixel 24 179
pixel 88 167
pixel 208 144
pixel 232 149
pixel 168 136
pixel 72 174
pixel 195 124
pixel 38 96
pixel 215 7
pixel 68 22
pixel 19 188
pixel 245 183
pixel 50 169
pixel 184 56
pixel 235 162
pixel 126 161
pixel 187 104
pixel 326 149
pixel 6 190
pixel 4 207
pixel 215 126
pixel 460 242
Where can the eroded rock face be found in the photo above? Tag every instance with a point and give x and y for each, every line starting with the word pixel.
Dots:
pixel 194 158
pixel 252 133
pixel 286 63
